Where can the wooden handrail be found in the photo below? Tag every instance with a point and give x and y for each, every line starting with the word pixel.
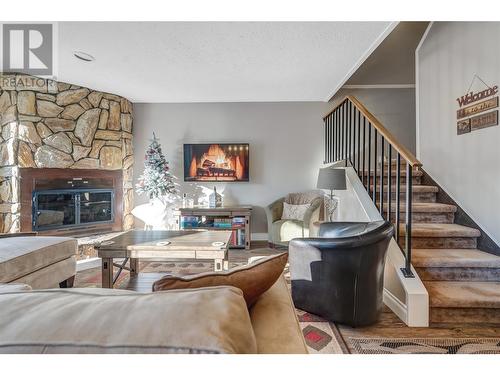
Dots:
pixel 403 151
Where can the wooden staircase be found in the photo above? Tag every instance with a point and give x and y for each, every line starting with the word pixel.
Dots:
pixel 463 282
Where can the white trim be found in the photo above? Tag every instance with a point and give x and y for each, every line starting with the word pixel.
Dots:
pixel 260 237
pixel 417 90
pixel 381 86
pixel 398 307
pixel 86 264
pixel 363 57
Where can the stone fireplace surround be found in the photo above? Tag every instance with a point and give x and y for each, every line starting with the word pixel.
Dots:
pixel 54 125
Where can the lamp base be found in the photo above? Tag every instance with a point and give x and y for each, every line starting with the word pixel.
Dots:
pixel 332 207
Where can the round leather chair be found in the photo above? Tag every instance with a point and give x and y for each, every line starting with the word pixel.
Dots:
pixel 340 276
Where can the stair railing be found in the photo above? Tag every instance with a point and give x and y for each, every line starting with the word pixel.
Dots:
pixel 354 135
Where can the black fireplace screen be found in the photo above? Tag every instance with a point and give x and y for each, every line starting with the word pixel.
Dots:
pixel 54 209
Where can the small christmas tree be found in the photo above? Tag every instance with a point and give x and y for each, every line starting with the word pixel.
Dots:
pixel 156 181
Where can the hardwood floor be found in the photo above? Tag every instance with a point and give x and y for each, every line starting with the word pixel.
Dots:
pixel 390 326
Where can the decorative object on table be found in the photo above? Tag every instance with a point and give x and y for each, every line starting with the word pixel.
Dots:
pixel 340 276
pixel 332 179
pixel 280 229
pixel 215 199
pixel 158 184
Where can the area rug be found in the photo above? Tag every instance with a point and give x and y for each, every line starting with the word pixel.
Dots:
pixel 321 336
pixel 424 345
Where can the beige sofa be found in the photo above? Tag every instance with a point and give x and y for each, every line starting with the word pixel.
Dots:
pixel 39 261
pixel 94 320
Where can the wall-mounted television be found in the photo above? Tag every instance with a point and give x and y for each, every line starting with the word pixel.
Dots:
pixel 222 162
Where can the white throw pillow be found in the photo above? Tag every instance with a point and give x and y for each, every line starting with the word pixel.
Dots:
pixel 294 211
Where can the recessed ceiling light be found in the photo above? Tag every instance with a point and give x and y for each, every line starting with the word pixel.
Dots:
pixel 83 56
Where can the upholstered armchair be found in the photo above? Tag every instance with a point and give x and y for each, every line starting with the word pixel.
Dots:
pixel 340 276
pixel 281 231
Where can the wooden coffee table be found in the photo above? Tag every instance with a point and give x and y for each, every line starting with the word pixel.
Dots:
pixel 161 245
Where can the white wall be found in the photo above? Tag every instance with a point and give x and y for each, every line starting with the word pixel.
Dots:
pixel 286 145
pixel 393 107
pixel 466 166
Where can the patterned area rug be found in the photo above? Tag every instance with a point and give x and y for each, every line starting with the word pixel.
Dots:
pixel 424 346
pixel 321 336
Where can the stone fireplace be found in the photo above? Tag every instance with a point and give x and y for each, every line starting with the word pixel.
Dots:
pixel 66 157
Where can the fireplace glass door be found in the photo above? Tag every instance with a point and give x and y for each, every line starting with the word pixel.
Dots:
pixel 95 206
pixel 53 209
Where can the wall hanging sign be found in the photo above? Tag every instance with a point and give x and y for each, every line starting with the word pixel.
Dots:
pixel 471 116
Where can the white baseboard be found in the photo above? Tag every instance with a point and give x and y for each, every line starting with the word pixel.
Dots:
pixel 260 237
pixel 399 308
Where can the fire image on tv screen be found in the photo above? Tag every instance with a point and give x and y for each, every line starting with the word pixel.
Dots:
pixel 216 162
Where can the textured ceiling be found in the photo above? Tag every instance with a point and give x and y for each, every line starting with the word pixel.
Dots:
pixel 162 62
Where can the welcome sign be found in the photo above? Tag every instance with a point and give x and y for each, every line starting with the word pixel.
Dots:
pixel 475 110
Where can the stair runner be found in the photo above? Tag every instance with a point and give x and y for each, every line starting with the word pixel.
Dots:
pixel 463 282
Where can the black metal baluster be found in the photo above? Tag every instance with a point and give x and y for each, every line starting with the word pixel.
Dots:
pixel 337 130
pixel 326 145
pixel 334 138
pixel 398 194
pixel 389 180
pixel 407 270
pixel 364 153
pixel 348 132
pixel 341 115
pixel 359 141
pixel 368 185
pixel 374 193
pixel 354 150
pixel 382 167
pixel 327 124
pixel 351 129
pixel 345 132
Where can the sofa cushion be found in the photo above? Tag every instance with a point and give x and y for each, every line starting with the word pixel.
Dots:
pixel 50 276
pixel 20 256
pixel 294 211
pixel 253 279
pixel 205 320
pixel 287 230
pixel 275 322
pixel 14 287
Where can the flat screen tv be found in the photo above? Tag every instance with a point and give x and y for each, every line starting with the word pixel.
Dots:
pixel 224 162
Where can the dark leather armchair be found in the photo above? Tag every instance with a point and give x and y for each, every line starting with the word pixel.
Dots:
pixel 340 276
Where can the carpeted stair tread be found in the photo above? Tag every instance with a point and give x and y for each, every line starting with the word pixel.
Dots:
pixel 415 188
pixel 423 207
pixel 454 258
pixel 441 230
pixel 414 173
pixel 463 294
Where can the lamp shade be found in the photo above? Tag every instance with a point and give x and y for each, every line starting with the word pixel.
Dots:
pixel 331 179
